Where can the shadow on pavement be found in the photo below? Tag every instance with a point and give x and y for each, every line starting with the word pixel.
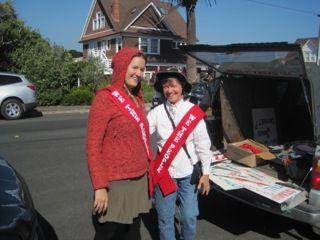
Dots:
pixel 239 218
pixel 33 114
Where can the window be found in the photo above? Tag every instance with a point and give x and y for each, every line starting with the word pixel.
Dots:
pixel 105 44
pixel 118 43
pixel 6 79
pixel 150 45
pixel 175 44
pixel 93 45
pixel 147 76
pixel 99 22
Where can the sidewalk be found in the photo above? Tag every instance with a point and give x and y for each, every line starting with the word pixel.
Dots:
pixel 62 109
pixel 69 109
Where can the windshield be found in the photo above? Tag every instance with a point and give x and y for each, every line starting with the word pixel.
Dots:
pixel 276 60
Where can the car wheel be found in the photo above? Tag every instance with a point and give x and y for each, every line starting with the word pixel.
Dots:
pixel 12 109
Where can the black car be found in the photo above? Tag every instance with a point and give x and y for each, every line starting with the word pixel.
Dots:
pixel 157 99
pixel 198 91
pixel 19 219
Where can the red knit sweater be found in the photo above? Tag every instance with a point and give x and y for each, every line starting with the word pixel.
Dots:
pixel 114 150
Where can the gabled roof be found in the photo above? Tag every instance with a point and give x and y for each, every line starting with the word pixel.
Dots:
pixel 159 18
pixel 304 41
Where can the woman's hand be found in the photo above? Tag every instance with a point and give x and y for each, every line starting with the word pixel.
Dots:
pixel 204 185
pixel 100 204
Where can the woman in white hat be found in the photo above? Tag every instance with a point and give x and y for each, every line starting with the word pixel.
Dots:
pixel 182 141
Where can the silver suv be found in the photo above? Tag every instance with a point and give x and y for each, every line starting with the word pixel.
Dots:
pixel 17 95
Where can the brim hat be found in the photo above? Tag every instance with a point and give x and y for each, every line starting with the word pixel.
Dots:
pixel 171 74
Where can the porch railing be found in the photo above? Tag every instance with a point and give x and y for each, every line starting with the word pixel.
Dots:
pixel 101 55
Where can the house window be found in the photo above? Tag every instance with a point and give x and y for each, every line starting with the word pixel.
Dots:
pixel 105 44
pixel 176 44
pixel 149 45
pixel 118 44
pixel 147 76
pixel 93 45
pixel 99 22
pixel 307 56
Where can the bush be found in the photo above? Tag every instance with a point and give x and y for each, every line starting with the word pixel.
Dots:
pixel 49 97
pixel 148 96
pixel 148 91
pixel 78 96
pixel 104 83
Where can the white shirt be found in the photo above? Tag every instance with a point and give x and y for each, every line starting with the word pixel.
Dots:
pixel 198 142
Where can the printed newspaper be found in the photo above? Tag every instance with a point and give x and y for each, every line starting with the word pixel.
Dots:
pixel 230 176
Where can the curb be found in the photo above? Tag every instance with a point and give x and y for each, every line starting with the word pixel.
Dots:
pixel 62 109
pixel 47 110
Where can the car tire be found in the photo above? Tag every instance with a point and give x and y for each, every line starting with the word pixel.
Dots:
pixel 12 109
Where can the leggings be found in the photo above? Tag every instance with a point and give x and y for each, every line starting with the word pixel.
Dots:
pixel 117 231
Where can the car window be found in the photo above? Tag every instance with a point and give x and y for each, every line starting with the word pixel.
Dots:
pixel 7 79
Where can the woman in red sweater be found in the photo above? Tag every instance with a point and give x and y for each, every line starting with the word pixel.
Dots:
pixel 118 150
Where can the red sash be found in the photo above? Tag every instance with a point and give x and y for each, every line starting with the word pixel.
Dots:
pixel 127 106
pixel 172 146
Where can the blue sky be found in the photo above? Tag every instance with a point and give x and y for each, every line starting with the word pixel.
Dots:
pixel 228 21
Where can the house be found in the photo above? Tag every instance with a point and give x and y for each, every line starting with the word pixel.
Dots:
pixel 310 47
pixel 155 27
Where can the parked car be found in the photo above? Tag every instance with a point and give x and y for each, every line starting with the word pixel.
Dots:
pixel 17 95
pixel 198 91
pixel 273 77
pixel 157 99
pixel 19 218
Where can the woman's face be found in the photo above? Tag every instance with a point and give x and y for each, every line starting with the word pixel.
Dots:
pixel 135 72
pixel 172 90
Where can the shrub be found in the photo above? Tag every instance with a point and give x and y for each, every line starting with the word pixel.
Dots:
pixel 148 91
pixel 78 96
pixel 104 83
pixel 148 96
pixel 49 97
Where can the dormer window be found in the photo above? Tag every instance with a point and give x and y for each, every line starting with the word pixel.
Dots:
pixel 99 22
pixel 176 44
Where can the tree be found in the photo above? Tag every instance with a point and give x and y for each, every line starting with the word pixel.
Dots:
pixel 50 67
pixel 11 31
pixel 190 6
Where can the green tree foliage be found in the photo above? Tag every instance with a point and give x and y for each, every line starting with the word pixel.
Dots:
pixel 92 73
pixel 50 67
pixel 78 96
pixel 75 54
pixel 11 33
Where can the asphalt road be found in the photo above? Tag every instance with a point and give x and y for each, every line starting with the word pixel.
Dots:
pixel 49 152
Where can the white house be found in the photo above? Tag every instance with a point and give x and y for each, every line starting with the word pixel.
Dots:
pixel 310 47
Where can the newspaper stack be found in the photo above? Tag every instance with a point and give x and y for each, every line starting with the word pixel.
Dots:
pixel 230 176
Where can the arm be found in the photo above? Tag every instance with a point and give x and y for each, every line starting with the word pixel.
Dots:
pixel 152 121
pixel 202 147
pixel 96 128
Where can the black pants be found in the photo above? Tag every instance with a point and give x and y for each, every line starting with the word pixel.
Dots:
pixel 117 231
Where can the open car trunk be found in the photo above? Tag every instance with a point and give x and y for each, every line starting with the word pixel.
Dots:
pixel 263 92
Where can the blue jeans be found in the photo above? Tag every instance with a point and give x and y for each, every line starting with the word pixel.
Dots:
pixel 187 199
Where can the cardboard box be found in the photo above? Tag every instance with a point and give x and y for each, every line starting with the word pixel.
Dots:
pixel 245 156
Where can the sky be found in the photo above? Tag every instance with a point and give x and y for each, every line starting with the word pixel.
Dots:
pixel 224 22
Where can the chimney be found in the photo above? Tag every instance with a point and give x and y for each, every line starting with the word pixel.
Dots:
pixel 115 10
